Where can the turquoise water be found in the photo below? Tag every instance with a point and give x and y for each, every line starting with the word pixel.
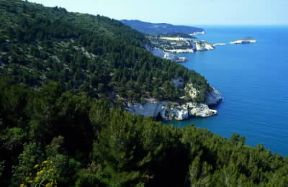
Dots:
pixel 253 80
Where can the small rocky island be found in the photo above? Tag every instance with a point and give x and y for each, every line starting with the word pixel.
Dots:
pixel 247 40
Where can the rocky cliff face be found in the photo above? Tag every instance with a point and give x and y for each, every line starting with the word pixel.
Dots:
pixel 175 111
pixel 213 98
pixel 203 46
pixel 200 110
pixel 165 55
pixel 186 111
pixel 149 109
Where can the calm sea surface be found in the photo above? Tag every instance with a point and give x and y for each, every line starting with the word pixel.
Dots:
pixel 253 80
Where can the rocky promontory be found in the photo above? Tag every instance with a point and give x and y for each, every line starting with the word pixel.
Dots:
pixel 168 110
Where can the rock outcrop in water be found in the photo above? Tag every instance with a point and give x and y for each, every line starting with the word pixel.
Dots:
pixel 247 40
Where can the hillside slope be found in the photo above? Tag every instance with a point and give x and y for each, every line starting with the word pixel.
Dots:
pixel 160 28
pixel 94 54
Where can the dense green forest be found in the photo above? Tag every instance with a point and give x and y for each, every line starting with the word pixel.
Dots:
pixel 54 137
pixel 58 127
pixel 95 54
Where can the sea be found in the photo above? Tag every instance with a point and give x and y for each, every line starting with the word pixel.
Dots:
pixel 253 80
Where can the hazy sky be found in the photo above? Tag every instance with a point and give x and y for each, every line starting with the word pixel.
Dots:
pixel 189 12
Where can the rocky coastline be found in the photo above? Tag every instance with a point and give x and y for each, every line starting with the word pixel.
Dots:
pixel 168 110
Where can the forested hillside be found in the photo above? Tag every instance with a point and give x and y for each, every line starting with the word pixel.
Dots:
pixel 58 127
pixel 161 28
pixel 94 54
pixel 59 138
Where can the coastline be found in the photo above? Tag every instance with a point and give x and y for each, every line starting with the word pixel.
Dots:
pixel 254 104
pixel 171 110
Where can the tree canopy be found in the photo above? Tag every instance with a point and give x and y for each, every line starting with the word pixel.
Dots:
pixel 60 138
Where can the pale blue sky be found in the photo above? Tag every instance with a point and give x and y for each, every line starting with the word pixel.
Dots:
pixel 189 12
